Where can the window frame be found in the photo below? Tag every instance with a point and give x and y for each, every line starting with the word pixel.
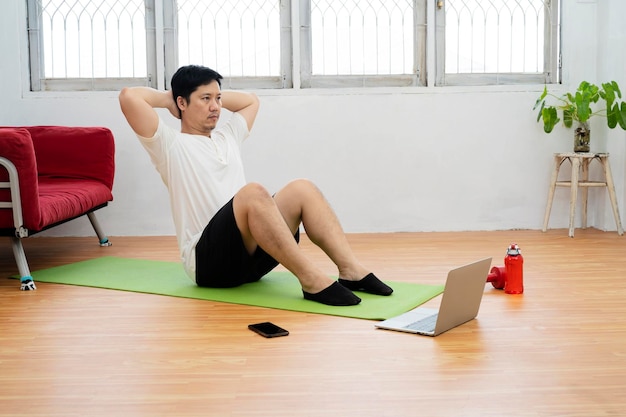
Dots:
pixel 38 81
pixel 162 62
pixel 417 78
pixel 282 81
pixel 551 52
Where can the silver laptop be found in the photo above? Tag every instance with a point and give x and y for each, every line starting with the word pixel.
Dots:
pixel 460 302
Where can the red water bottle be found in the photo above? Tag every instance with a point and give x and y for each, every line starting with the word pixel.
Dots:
pixel 514 265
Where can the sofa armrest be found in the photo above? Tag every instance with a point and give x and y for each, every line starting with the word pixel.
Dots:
pixel 75 152
pixel 16 147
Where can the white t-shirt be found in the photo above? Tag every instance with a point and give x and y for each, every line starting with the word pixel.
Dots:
pixel 201 174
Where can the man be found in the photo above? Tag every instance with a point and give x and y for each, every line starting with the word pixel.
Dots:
pixel 231 232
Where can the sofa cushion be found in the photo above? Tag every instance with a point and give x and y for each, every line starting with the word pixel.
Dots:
pixel 62 199
pixel 16 145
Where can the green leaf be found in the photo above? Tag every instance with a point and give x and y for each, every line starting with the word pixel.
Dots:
pixel 550 119
pixel 609 95
pixel 611 116
pixel 541 98
pixel 594 95
pixel 621 115
pixel 568 117
pixel 543 104
pixel 582 105
pixel 616 89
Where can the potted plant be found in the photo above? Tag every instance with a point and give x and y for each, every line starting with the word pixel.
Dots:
pixel 577 107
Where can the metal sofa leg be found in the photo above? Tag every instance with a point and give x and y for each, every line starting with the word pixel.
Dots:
pixel 27 283
pixel 104 240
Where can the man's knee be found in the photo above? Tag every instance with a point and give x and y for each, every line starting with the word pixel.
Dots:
pixel 253 192
pixel 302 186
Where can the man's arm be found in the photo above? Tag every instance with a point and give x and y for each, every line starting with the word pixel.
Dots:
pixel 138 104
pixel 246 104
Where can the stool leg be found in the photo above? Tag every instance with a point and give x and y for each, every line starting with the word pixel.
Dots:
pixel 584 191
pixel 573 194
pixel 555 174
pixel 610 186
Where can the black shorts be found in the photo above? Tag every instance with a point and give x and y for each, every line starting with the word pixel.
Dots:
pixel 222 260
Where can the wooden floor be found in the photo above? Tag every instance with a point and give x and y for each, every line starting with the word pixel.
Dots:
pixel 557 350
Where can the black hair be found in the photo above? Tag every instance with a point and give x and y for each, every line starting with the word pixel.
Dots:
pixel 188 78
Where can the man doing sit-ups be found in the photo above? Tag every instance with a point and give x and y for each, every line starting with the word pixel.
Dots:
pixel 231 232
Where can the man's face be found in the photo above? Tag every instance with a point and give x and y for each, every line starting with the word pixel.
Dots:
pixel 201 113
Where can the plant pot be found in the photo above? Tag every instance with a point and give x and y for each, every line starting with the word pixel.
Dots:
pixel 582 137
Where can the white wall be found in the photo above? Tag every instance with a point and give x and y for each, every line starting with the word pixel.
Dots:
pixel 421 159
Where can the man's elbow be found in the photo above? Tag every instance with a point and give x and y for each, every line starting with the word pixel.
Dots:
pixel 124 95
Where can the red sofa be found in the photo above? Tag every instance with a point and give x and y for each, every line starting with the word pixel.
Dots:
pixel 50 175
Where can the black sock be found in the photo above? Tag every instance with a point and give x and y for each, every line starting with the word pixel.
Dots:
pixel 334 295
pixel 370 284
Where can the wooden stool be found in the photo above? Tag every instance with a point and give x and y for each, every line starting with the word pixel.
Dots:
pixel 577 160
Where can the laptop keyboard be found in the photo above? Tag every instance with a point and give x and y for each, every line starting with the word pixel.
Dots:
pixel 427 324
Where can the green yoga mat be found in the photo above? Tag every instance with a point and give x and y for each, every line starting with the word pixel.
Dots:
pixel 277 289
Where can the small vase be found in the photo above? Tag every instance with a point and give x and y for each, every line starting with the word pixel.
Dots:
pixel 582 136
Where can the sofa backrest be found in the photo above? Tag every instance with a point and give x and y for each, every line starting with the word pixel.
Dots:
pixel 75 152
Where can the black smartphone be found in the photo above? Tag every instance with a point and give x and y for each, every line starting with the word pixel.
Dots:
pixel 268 329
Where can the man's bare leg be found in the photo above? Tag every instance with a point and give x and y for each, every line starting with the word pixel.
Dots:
pixel 301 201
pixel 262 224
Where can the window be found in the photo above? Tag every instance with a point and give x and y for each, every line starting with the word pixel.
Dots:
pixel 363 43
pixel 107 44
pixel 497 42
pixel 91 45
pixel 247 41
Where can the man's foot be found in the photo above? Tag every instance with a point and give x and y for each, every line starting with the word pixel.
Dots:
pixel 370 284
pixel 333 295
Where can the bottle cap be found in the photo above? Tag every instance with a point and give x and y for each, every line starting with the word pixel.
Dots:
pixel 513 250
